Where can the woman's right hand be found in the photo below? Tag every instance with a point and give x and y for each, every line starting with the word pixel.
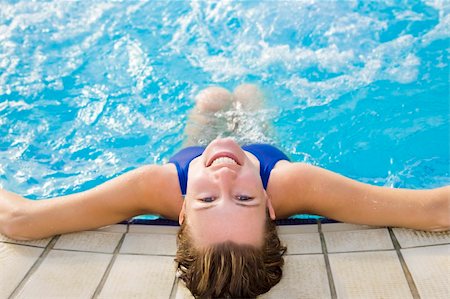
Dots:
pixel 11 208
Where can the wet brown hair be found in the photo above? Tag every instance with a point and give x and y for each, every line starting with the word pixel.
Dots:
pixel 230 270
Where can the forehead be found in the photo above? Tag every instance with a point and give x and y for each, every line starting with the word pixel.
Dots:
pixel 241 225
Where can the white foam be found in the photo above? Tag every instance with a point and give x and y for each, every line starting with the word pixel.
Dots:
pixel 440 31
pixel 408 15
pixel 92 103
pixel 138 64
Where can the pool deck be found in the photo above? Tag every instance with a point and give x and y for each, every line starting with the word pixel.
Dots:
pixel 136 261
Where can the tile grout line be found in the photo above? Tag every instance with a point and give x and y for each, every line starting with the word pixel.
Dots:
pixel 406 272
pixel 301 254
pixel 173 291
pixel 22 244
pixel 35 266
pixel 147 254
pixel 425 246
pixel 327 262
pixel 363 250
pixel 81 250
pixel 102 282
pixel 341 252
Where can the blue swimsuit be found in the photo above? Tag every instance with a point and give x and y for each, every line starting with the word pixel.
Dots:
pixel 267 155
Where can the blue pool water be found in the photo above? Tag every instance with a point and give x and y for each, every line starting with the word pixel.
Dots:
pixel 91 89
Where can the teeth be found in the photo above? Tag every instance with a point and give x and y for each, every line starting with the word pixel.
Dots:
pixel 223 160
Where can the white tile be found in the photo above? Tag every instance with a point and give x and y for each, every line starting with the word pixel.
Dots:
pixel 298 229
pixel 15 262
pixel 153 244
pixel 359 240
pixel 96 241
pixel 337 227
pixel 154 229
pixel 304 276
pixel 430 269
pixel 376 274
pixel 413 238
pixel 139 276
pixel 66 274
pixel 182 292
pixel 37 243
pixel 302 243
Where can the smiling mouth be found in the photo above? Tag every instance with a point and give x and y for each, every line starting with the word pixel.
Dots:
pixel 223 159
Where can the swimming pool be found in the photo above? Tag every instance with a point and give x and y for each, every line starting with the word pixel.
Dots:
pixel 91 89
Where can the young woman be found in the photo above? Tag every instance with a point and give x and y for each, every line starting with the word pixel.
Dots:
pixel 225 197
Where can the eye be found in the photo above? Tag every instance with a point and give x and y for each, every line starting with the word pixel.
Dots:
pixel 207 199
pixel 244 198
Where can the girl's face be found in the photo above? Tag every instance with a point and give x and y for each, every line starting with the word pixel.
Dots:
pixel 225 199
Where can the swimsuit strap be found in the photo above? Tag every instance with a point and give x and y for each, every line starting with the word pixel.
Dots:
pixel 182 159
pixel 268 156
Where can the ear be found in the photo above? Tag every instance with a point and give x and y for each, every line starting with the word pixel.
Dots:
pixel 183 210
pixel 270 207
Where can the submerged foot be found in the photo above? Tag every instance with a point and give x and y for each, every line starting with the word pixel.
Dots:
pixel 213 99
pixel 249 97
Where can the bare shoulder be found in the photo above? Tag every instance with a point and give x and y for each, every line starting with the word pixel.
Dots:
pixel 161 186
pixel 287 184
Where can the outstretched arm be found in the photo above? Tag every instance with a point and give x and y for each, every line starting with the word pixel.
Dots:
pixel 133 193
pixel 310 189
